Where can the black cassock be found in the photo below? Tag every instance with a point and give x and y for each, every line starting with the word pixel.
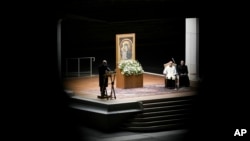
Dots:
pixel 183 76
pixel 103 81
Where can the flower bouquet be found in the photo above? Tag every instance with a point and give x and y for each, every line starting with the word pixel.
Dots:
pixel 130 67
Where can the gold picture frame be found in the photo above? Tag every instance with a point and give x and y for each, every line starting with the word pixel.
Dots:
pixel 125 47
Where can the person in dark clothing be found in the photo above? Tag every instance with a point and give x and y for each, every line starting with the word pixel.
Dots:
pixel 103 80
pixel 182 70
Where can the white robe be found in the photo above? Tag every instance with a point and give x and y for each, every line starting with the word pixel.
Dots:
pixel 124 51
pixel 170 72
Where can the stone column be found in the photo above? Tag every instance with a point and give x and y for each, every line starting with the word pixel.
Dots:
pixel 192 48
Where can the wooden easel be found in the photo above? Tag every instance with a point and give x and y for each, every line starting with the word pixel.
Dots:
pixel 112 74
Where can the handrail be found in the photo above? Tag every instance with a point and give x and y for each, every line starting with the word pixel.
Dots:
pixel 91 59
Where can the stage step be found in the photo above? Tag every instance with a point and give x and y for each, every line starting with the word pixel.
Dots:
pixel 161 114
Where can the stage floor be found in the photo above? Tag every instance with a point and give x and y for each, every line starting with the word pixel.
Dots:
pixel 153 88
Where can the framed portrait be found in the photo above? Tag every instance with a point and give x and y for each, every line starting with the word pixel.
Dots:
pixel 125 47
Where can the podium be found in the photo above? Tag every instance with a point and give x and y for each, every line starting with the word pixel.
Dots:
pixel 111 75
pixel 125 82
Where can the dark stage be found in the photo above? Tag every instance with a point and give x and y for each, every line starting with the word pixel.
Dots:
pixel 149 108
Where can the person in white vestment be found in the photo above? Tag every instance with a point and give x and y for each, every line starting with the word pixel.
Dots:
pixel 170 73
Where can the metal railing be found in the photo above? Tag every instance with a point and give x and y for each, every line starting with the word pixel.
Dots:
pixel 79 72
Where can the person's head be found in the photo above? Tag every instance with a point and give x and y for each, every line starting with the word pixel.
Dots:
pixel 104 62
pixel 182 62
pixel 125 44
pixel 170 63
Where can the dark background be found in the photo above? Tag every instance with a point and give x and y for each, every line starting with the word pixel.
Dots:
pixel 156 41
pixel 35 106
pixel 89 29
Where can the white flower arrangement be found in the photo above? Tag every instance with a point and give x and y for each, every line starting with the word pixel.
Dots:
pixel 130 67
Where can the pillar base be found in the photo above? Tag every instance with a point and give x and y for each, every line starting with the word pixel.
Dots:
pixel 194 78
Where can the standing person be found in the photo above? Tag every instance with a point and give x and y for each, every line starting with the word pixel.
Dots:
pixel 170 73
pixel 182 70
pixel 103 80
